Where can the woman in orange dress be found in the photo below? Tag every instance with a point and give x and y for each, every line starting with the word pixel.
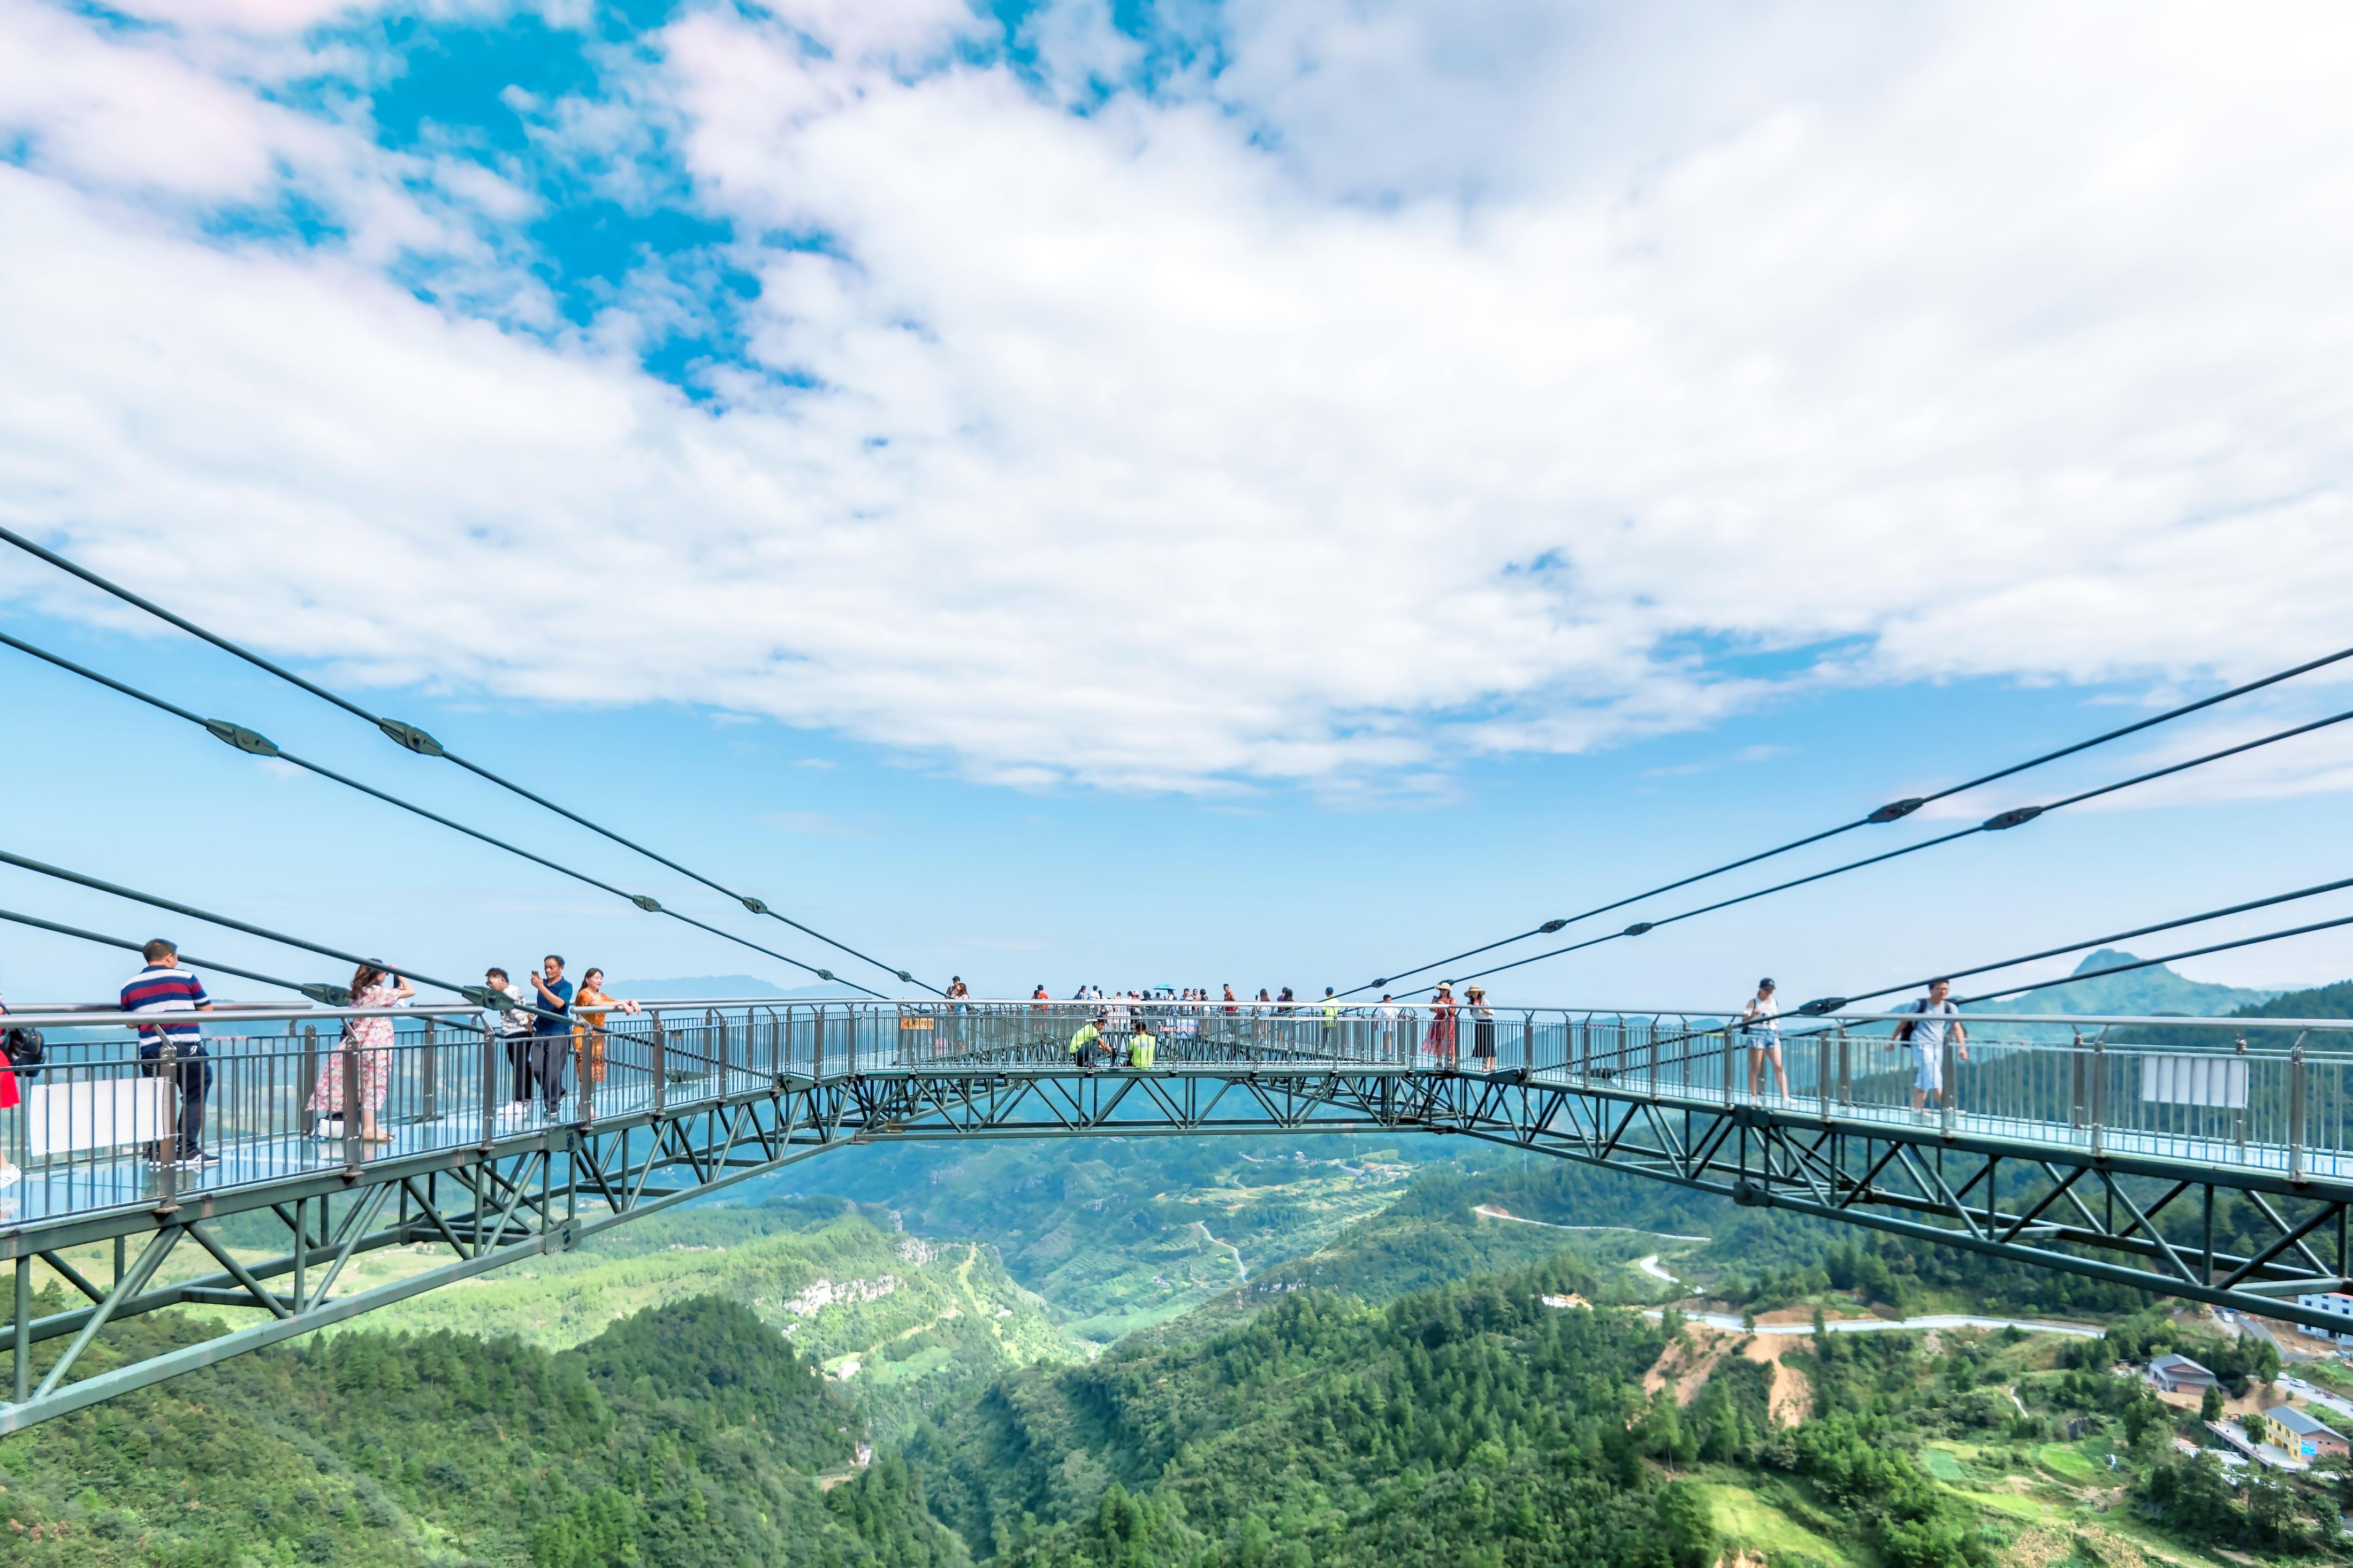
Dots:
pixel 589 1034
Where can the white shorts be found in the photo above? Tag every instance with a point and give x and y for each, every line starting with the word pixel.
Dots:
pixel 1931 1075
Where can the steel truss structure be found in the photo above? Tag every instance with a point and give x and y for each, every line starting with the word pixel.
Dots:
pixel 2049 1194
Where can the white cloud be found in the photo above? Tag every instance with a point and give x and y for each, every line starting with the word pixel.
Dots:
pixel 1426 381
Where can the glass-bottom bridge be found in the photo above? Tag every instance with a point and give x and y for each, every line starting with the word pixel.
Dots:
pixel 2208 1159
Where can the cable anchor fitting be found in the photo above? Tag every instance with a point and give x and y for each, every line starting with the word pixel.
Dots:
pixel 1637 929
pixel 243 739
pixel 328 995
pixel 1551 926
pixel 647 902
pixel 756 906
pixel 1895 809
pixel 2015 816
pixel 1822 1005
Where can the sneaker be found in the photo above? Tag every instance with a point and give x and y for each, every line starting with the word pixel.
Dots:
pixel 206 1159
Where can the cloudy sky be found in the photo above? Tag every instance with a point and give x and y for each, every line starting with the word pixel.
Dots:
pixel 1263 492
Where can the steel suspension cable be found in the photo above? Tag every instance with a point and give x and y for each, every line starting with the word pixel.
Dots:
pixel 246 741
pixel 415 739
pixel 2001 822
pixel 480 995
pixel 1894 811
pixel 325 995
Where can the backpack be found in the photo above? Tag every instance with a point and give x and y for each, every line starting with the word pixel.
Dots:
pixel 1904 1030
pixel 26 1048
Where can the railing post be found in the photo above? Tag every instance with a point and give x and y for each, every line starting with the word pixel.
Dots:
pixel 167 1057
pixel 2239 1113
pixel 2077 1110
pixel 2099 1071
pixel 428 1091
pixel 1822 1073
pixel 816 1060
pixel 1948 1113
pixel 490 1075
pixel 351 1058
pixel 661 1076
pixel 310 1118
pixel 1845 1068
pixel 1731 1065
pixel 2295 1099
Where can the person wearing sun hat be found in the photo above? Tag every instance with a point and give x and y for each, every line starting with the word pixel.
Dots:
pixel 1483 1028
pixel 1760 1026
pixel 1440 1041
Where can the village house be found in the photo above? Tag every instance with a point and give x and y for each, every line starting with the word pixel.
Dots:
pixel 2302 1435
pixel 2179 1373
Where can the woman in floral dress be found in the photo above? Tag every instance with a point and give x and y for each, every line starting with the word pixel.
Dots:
pixel 1440 1041
pixel 372 1038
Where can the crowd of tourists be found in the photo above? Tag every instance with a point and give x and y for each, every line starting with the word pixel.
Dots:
pixel 554 1024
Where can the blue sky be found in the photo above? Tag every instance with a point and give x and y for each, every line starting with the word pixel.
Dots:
pixel 1259 493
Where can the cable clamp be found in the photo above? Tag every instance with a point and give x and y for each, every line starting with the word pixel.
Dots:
pixel 410 736
pixel 1895 809
pixel 1822 1005
pixel 2014 817
pixel 647 902
pixel 1551 926
pixel 1637 929
pixel 756 906
pixel 243 739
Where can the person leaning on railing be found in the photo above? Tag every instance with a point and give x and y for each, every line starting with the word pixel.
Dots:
pixel 588 1035
pixel 164 987
pixel 372 1038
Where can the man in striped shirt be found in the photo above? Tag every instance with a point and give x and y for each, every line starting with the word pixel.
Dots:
pixel 163 987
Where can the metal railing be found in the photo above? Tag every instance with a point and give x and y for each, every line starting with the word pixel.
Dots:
pixel 101 1123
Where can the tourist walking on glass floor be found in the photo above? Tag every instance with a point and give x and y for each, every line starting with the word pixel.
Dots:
pixel 1926 1035
pixel 1760 1028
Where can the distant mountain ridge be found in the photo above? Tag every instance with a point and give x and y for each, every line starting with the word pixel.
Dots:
pixel 716 986
pixel 2143 993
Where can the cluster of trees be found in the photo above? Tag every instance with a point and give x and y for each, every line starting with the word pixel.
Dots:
pixel 1470 1423
pixel 2249 1359
pixel 689 1436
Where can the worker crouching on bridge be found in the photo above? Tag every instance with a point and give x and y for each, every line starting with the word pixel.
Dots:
pixel 1084 1043
pixel 1141 1047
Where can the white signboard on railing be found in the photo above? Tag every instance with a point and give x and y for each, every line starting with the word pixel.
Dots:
pixel 101 1114
pixel 2219 1081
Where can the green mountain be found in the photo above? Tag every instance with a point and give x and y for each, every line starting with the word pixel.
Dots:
pixel 2141 993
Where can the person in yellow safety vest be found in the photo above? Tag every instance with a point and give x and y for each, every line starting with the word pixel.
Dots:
pixel 1331 1021
pixel 1140 1047
pixel 1082 1043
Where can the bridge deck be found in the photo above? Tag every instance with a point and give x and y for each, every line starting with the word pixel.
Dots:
pixel 83 1140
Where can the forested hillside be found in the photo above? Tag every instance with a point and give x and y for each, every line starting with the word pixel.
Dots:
pixel 688 1437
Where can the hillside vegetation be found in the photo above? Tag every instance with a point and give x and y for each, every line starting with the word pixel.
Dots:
pixel 688 1437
